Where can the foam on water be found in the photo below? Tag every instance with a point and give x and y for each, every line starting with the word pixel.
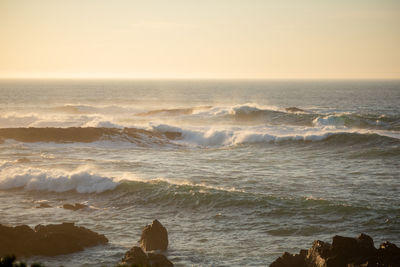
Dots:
pixel 265 134
pixel 82 180
pixel 268 165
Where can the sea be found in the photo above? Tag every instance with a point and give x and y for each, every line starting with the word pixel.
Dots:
pixel 238 171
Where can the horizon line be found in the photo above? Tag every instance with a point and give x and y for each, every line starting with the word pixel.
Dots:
pixel 191 78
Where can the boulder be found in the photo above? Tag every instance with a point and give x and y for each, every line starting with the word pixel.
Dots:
pixel 159 260
pixel 154 237
pixel 137 257
pixel 317 254
pixel 347 250
pixel 291 260
pixel 47 240
pixel 389 255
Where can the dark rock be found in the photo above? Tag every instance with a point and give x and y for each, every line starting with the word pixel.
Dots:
pixel 136 257
pixel 75 207
pixel 347 250
pixel 344 252
pixel 291 260
pixel 317 254
pixel 154 237
pixel 389 255
pixel 159 260
pixel 47 240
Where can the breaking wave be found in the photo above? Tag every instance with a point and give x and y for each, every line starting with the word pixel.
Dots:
pixel 359 121
pixel 163 134
pixel 160 192
pixel 81 180
pixel 128 116
pixel 223 137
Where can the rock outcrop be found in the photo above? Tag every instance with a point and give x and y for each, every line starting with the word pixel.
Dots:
pixel 288 259
pixel 137 257
pixel 47 240
pixel 154 237
pixel 343 252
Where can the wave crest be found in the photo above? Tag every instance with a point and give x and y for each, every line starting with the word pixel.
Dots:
pixel 81 181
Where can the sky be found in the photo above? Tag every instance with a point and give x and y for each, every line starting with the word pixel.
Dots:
pixel 232 39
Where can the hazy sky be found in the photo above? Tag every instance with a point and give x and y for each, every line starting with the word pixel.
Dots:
pixel 200 39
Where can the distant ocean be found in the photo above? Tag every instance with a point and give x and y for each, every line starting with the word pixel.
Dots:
pixel 237 171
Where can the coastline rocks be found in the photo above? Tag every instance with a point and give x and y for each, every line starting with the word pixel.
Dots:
pixel 137 257
pixel 75 207
pixel 343 252
pixel 154 237
pixel 47 240
pixel 288 259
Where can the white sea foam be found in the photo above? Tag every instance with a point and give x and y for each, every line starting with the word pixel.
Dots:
pixel 335 120
pixel 80 180
pixel 227 136
pixel 102 123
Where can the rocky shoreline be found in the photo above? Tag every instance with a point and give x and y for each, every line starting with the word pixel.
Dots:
pixel 47 240
pixel 343 252
pixel 66 238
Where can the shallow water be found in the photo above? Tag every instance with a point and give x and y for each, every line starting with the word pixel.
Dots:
pixel 234 172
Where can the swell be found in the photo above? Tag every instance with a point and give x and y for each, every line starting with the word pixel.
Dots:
pixel 166 135
pixel 82 134
pixel 173 111
pixel 161 193
pixel 113 116
pixel 253 113
pixel 297 116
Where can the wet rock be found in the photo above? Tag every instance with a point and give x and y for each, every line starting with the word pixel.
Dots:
pixel 344 252
pixel 137 257
pixel 347 250
pixel 317 254
pixel 159 260
pixel 154 237
pixel 291 260
pixel 75 207
pixel 47 240
pixel 389 255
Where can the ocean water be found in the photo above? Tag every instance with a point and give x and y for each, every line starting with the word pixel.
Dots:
pixel 237 171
